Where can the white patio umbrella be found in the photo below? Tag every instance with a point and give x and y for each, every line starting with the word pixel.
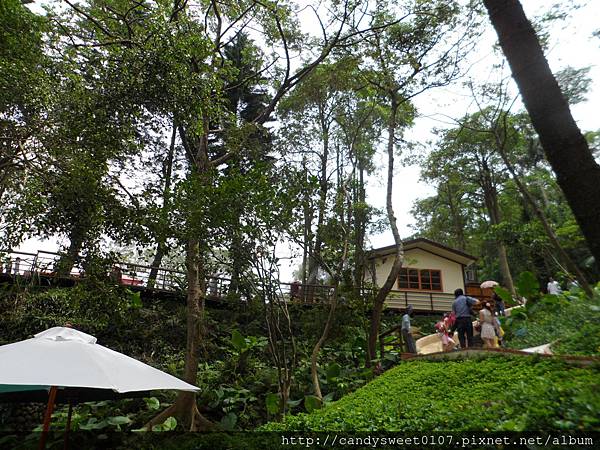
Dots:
pixel 63 364
pixel 488 284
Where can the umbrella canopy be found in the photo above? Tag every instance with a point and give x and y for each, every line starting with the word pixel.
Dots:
pixel 488 284
pixel 70 359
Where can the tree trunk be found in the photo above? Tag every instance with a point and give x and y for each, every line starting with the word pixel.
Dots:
pixel 195 312
pixel 505 268
pixel 317 348
pixel 384 290
pixel 68 260
pixel 185 408
pixel 565 147
pixel 161 246
pixel 490 196
pixel 315 258
pixel 360 223
pixel 159 254
pixel 237 258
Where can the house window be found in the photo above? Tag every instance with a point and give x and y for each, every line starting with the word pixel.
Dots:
pixel 471 274
pixel 420 279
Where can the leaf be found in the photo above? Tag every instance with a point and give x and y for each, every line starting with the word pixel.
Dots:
pixel 312 403
pixel 152 403
pixel 93 425
pixel 118 420
pixel 328 398
pixel 169 424
pixel 333 371
pixel 503 293
pixel 527 285
pixel 272 402
pixel 135 299
pixel 293 403
pixel 512 425
pixel 228 421
pixel 238 341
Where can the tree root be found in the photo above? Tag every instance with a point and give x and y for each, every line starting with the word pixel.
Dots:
pixel 190 417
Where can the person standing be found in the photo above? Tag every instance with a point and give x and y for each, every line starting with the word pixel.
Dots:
pixel 553 287
pixel 443 327
pixel 405 329
pixel 499 304
pixel 295 290
pixel 488 332
pixel 461 307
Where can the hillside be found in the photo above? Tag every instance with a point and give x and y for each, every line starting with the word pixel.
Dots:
pixel 491 394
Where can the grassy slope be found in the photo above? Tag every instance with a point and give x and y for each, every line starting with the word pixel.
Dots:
pixel 495 393
pixel 574 323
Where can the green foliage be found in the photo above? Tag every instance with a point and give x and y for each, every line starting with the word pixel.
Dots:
pixel 238 341
pixel 569 322
pixel 152 403
pixel 488 394
pixel 528 286
pixel 169 424
pixel 503 294
pixel 93 308
pixel 272 402
pixel 312 403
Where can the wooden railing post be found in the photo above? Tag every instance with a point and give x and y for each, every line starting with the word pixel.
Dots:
pixel 405 299
pixel 34 264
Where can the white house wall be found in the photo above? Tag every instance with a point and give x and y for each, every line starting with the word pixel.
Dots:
pixel 452 272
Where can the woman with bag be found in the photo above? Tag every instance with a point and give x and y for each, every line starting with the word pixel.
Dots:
pixel 488 330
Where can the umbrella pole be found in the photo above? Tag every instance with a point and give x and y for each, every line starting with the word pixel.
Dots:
pixel 68 428
pixel 47 417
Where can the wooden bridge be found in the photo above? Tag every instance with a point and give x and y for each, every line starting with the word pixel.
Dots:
pixel 41 267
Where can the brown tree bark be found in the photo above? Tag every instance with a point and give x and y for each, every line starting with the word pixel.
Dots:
pixel 384 290
pixel 67 261
pixel 315 256
pixel 566 149
pixel 161 245
pixel 360 225
pixel 317 348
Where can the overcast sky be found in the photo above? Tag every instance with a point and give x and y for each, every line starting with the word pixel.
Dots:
pixel 572 44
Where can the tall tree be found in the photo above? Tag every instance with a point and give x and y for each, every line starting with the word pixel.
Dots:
pixel 470 154
pixel 566 148
pixel 420 52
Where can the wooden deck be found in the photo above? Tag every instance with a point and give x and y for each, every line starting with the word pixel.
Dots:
pixel 40 267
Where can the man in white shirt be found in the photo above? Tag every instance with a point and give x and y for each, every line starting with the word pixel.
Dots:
pixel 553 287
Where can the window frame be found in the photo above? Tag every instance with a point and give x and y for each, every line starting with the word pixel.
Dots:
pixel 406 270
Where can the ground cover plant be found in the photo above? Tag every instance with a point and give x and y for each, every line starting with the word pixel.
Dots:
pixel 490 394
pixel 569 321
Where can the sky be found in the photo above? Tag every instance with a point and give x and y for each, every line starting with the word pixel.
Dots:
pixel 571 43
